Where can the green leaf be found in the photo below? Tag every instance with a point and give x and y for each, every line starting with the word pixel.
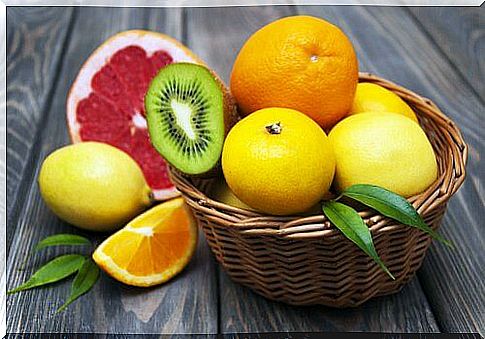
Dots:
pixel 349 222
pixel 62 239
pixel 85 279
pixel 391 205
pixel 55 270
pixel 56 240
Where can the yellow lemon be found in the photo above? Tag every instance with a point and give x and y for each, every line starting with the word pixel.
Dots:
pixel 222 193
pixel 384 149
pixel 374 98
pixel 93 185
pixel 278 161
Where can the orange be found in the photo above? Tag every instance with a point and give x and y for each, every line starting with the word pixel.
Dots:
pixel 278 161
pixel 298 62
pixel 152 248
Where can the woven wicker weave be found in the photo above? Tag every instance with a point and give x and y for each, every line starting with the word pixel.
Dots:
pixel 304 260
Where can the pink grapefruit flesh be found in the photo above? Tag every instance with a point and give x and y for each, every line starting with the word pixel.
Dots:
pixel 105 102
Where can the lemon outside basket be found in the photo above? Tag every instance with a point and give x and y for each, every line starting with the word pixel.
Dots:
pixel 304 260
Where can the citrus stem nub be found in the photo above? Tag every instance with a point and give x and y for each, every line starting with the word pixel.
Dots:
pixel 148 196
pixel 274 128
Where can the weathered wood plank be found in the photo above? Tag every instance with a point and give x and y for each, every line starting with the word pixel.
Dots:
pixel 188 304
pixel 35 37
pixel 406 311
pixel 460 34
pixel 3 177
pixel 390 44
pixel 216 35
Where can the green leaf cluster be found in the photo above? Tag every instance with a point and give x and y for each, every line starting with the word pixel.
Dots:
pixel 388 203
pixel 63 266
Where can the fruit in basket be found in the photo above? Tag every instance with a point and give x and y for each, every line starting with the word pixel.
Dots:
pixel 371 97
pixel 299 62
pixel 383 149
pixel 105 102
pixel 222 193
pixel 278 161
pixel 189 112
pixel 152 248
pixel 93 186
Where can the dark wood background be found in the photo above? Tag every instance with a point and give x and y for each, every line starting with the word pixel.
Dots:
pixel 437 52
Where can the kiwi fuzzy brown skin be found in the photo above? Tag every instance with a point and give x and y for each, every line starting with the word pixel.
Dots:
pixel 231 117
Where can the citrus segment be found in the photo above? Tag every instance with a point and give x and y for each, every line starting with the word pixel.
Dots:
pixel 106 101
pixel 152 248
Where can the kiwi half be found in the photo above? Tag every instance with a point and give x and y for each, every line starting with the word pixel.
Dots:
pixel 189 112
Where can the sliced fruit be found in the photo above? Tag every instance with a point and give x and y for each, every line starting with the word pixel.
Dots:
pixel 189 112
pixel 105 102
pixel 152 248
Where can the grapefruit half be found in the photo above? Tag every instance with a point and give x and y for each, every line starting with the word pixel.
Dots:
pixel 106 100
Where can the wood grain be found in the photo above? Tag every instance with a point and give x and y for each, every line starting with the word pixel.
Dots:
pixel 460 34
pixel 175 307
pixel 217 34
pixel 448 295
pixel 451 280
pixel 35 38
pixel 403 312
pixel 225 30
pixel 3 177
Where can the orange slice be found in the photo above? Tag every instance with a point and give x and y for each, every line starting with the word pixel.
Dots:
pixel 152 248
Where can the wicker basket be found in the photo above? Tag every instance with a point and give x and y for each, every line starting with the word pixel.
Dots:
pixel 304 260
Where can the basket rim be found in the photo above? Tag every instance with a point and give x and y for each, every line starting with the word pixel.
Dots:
pixel 317 226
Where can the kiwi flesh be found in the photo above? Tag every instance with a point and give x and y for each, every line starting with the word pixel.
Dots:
pixel 189 112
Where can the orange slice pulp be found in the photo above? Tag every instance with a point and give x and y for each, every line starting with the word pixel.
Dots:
pixel 152 248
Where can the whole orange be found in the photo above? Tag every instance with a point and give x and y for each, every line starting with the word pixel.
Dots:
pixel 278 161
pixel 299 62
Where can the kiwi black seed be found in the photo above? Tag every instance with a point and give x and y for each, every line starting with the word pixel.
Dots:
pixel 189 112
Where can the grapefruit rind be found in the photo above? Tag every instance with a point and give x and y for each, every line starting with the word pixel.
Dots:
pixel 81 87
pixel 107 264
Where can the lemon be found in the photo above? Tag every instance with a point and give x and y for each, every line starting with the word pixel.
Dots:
pixel 278 161
pixel 222 193
pixel 383 149
pixel 93 186
pixel 374 98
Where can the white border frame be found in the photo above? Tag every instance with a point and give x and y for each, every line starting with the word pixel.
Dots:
pixel 136 3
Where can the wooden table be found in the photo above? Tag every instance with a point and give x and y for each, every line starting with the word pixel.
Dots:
pixel 437 52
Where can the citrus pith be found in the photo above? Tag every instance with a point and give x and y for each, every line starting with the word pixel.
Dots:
pixel 105 102
pixel 152 248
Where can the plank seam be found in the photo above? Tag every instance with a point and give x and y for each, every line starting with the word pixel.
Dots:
pixel 440 50
pixel 419 282
pixel 29 176
pixel 218 293
pixel 433 309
